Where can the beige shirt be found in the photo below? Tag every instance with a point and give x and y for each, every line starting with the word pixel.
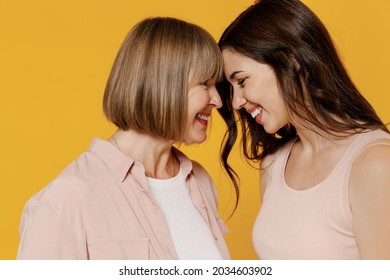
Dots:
pixel 100 207
pixel 315 223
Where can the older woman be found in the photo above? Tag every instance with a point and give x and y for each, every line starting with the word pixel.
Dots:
pixel 135 196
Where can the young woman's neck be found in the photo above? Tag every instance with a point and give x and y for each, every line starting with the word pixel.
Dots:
pixel 316 139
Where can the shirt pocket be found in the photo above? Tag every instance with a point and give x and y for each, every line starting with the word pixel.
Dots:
pixel 124 249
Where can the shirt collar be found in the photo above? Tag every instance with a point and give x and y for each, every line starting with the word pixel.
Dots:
pixel 120 164
pixel 185 162
pixel 115 159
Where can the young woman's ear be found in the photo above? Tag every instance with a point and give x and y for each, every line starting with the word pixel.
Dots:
pixel 296 64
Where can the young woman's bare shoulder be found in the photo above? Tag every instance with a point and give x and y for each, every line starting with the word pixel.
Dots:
pixel 373 161
pixel 369 197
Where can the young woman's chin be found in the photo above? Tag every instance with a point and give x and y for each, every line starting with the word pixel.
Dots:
pixel 271 129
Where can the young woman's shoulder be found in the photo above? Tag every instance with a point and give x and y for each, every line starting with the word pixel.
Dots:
pixel 373 161
pixel 265 171
pixel 369 197
pixel 268 163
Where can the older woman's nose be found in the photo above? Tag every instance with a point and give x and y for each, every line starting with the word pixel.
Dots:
pixel 215 98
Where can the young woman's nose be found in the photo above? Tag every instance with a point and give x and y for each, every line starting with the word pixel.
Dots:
pixel 238 101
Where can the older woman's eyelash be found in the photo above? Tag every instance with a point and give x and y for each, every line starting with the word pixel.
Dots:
pixel 204 84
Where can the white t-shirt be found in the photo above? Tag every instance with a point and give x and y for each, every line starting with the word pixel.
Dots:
pixel 189 231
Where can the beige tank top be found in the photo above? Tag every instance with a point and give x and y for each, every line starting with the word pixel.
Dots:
pixel 315 223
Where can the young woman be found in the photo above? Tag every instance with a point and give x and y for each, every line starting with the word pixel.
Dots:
pixel 324 152
pixel 135 196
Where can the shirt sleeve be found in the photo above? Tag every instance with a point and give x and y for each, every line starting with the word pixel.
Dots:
pixel 43 236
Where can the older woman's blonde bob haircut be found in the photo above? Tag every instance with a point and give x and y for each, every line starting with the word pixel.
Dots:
pixel 158 62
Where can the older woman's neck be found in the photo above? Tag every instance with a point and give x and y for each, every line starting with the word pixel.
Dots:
pixel 153 152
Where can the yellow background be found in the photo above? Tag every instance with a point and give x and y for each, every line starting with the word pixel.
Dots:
pixel 55 57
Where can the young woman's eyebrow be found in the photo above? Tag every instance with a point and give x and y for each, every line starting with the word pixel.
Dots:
pixel 232 75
